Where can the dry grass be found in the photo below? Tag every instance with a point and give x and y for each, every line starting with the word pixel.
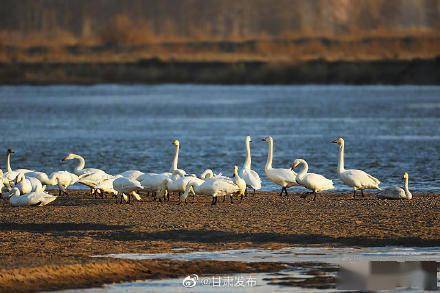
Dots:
pixel 126 41
pixel 97 273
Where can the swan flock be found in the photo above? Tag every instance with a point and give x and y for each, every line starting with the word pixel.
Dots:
pixel 24 187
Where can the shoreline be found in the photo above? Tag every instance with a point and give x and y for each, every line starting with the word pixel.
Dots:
pixel 157 71
pixel 40 243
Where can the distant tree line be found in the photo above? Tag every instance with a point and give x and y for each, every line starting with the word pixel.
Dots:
pixel 140 21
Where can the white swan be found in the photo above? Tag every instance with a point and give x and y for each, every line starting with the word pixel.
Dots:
pixel 284 177
pixel 28 185
pixel 397 192
pixel 250 176
pixel 152 182
pixel 216 187
pixel 107 186
pixel 314 182
pixel 10 174
pixel 357 179
pixel 62 179
pixel 178 181
pixel 4 183
pixel 174 166
pixel 127 187
pixel 90 177
pixel 240 182
pixel 30 199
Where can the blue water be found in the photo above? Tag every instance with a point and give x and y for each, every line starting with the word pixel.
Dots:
pixel 387 129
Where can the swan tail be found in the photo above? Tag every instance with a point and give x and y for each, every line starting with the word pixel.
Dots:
pixel 374 179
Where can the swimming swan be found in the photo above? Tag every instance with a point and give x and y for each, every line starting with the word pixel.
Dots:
pixel 284 177
pixel 314 182
pixel 250 176
pixel 30 199
pixel 357 179
pixel 397 192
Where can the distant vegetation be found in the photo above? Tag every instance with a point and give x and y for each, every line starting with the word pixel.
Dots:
pixel 230 31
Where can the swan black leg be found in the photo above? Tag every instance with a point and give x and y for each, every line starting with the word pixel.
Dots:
pixel 59 192
pixel 285 191
pixel 230 196
pixel 314 196
pixel 354 193
pixel 281 193
pixel 214 200
pixel 362 193
pixel 254 191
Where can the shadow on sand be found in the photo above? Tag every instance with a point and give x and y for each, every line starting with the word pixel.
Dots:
pixel 203 236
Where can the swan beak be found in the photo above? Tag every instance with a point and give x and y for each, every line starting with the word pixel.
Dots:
pixel 335 141
pixel 11 151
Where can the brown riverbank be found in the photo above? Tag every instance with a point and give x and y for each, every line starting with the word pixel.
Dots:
pixel 153 71
pixel 74 228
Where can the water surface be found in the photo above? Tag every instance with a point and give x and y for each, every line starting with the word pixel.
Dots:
pixel 388 129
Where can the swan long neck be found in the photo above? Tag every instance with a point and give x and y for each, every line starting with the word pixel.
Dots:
pixel 8 163
pixel 341 159
pixel 81 164
pixel 248 161
pixel 407 192
pixel 175 159
pixel 190 186
pixel 304 169
pixel 269 155
pixel 237 177
pixel 207 174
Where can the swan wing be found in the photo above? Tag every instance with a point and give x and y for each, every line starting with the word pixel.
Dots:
pixel 132 174
pixel 282 176
pixel 123 184
pixel 392 193
pixel 359 179
pixel 316 182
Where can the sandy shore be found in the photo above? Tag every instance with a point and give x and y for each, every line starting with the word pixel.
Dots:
pixel 65 234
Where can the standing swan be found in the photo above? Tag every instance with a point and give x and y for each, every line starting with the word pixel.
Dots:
pixel 284 177
pixel 10 174
pixel 397 192
pixel 152 182
pixel 216 187
pixel 89 176
pixel 314 182
pixel 357 179
pixel 62 179
pixel 250 176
